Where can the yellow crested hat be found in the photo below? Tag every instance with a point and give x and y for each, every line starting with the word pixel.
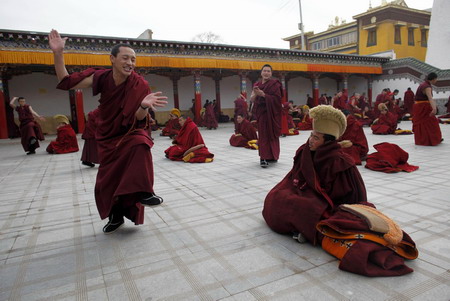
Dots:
pixel 305 107
pixel 61 119
pixel 382 106
pixel 175 112
pixel 328 120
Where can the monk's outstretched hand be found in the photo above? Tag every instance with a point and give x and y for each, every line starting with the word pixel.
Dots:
pixel 55 41
pixel 154 100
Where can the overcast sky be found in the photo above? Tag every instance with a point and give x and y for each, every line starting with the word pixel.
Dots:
pixel 261 23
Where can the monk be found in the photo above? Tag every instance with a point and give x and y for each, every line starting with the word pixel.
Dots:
pixel 408 101
pixel 245 134
pixel 386 123
pixel 188 145
pixel 389 158
pixel 240 108
pixel 323 99
pixel 66 139
pixel 340 101
pixel 306 123
pixel 310 198
pixel 173 125
pixel 381 98
pixel 30 130
pixel 89 156
pixel 124 182
pixel 210 121
pixel 266 95
pixel 367 116
pixel 354 141
pixel 425 124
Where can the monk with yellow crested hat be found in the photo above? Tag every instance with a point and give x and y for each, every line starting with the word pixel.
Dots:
pixel 306 123
pixel 173 125
pixel 66 139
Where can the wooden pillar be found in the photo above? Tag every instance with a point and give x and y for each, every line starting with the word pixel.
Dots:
pixel 12 128
pixel 77 110
pixel 369 91
pixel 218 107
pixel 176 99
pixel 3 123
pixel 198 96
pixel 345 82
pixel 283 87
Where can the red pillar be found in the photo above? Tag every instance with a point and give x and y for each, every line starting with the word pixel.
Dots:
pixel 243 76
pixel 345 82
pixel 176 99
pixel 3 124
pixel 77 110
pixel 284 99
pixel 198 96
pixel 218 105
pixel 369 91
pixel 315 89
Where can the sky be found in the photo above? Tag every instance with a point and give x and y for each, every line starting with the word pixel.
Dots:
pixel 259 23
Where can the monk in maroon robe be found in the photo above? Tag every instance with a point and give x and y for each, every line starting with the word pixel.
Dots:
pixel 30 130
pixel 210 121
pixel 267 95
pixel 386 123
pixel 125 175
pixel 425 124
pixel 188 145
pixel 357 146
pixel 340 101
pixel 89 156
pixel 240 108
pixel 66 139
pixel 245 134
pixel 389 158
pixel 381 98
pixel 173 125
pixel 306 123
pixel 408 101
pixel 323 100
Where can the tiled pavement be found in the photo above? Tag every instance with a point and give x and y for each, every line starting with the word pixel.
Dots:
pixel 208 241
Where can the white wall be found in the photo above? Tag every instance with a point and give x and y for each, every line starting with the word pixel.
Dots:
pixel 162 84
pixel 327 85
pixel 357 84
pixel 298 88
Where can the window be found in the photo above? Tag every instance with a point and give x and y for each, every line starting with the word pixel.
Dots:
pixel 411 36
pixel 397 35
pixel 423 38
pixel 372 37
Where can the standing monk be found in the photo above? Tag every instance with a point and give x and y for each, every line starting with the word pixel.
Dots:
pixel 125 175
pixel 425 124
pixel 89 156
pixel 267 95
pixel 408 101
pixel 30 130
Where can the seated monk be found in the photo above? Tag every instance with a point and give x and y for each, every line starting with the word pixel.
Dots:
pixel 353 141
pixel 245 134
pixel 389 158
pixel 66 139
pixel 322 179
pixel 366 117
pixel 305 124
pixel 173 126
pixel 188 145
pixel 386 123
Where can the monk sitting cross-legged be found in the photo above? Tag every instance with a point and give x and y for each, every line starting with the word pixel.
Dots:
pixel 66 139
pixel 386 123
pixel 245 135
pixel 188 145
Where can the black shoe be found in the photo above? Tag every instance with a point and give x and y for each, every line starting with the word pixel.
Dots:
pixel 263 163
pixel 90 164
pixel 33 141
pixel 113 224
pixel 31 152
pixel 272 161
pixel 151 199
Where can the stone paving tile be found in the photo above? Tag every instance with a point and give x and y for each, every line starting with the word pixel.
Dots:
pixel 208 240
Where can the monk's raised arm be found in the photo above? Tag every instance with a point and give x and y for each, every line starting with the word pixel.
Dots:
pixel 57 45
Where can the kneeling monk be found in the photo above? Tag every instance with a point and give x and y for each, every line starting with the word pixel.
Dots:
pixel 173 125
pixel 245 135
pixel 188 145
pixel 66 139
pixel 323 178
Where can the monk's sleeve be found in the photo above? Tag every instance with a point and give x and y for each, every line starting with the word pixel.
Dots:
pixel 348 188
pixel 74 79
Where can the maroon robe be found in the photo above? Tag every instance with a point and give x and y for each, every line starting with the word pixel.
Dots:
pixel 29 128
pixel 305 124
pixel 66 141
pixel 408 101
pixel 188 137
pixel 318 182
pixel 210 117
pixel 355 133
pixel 172 128
pixel 284 119
pixel 90 152
pixel 387 124
pixel 247 133
pixel 425 127
pixel 126 165
pixel 268 115
pixel 323 100
pixel 380 99
pixel 389 158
